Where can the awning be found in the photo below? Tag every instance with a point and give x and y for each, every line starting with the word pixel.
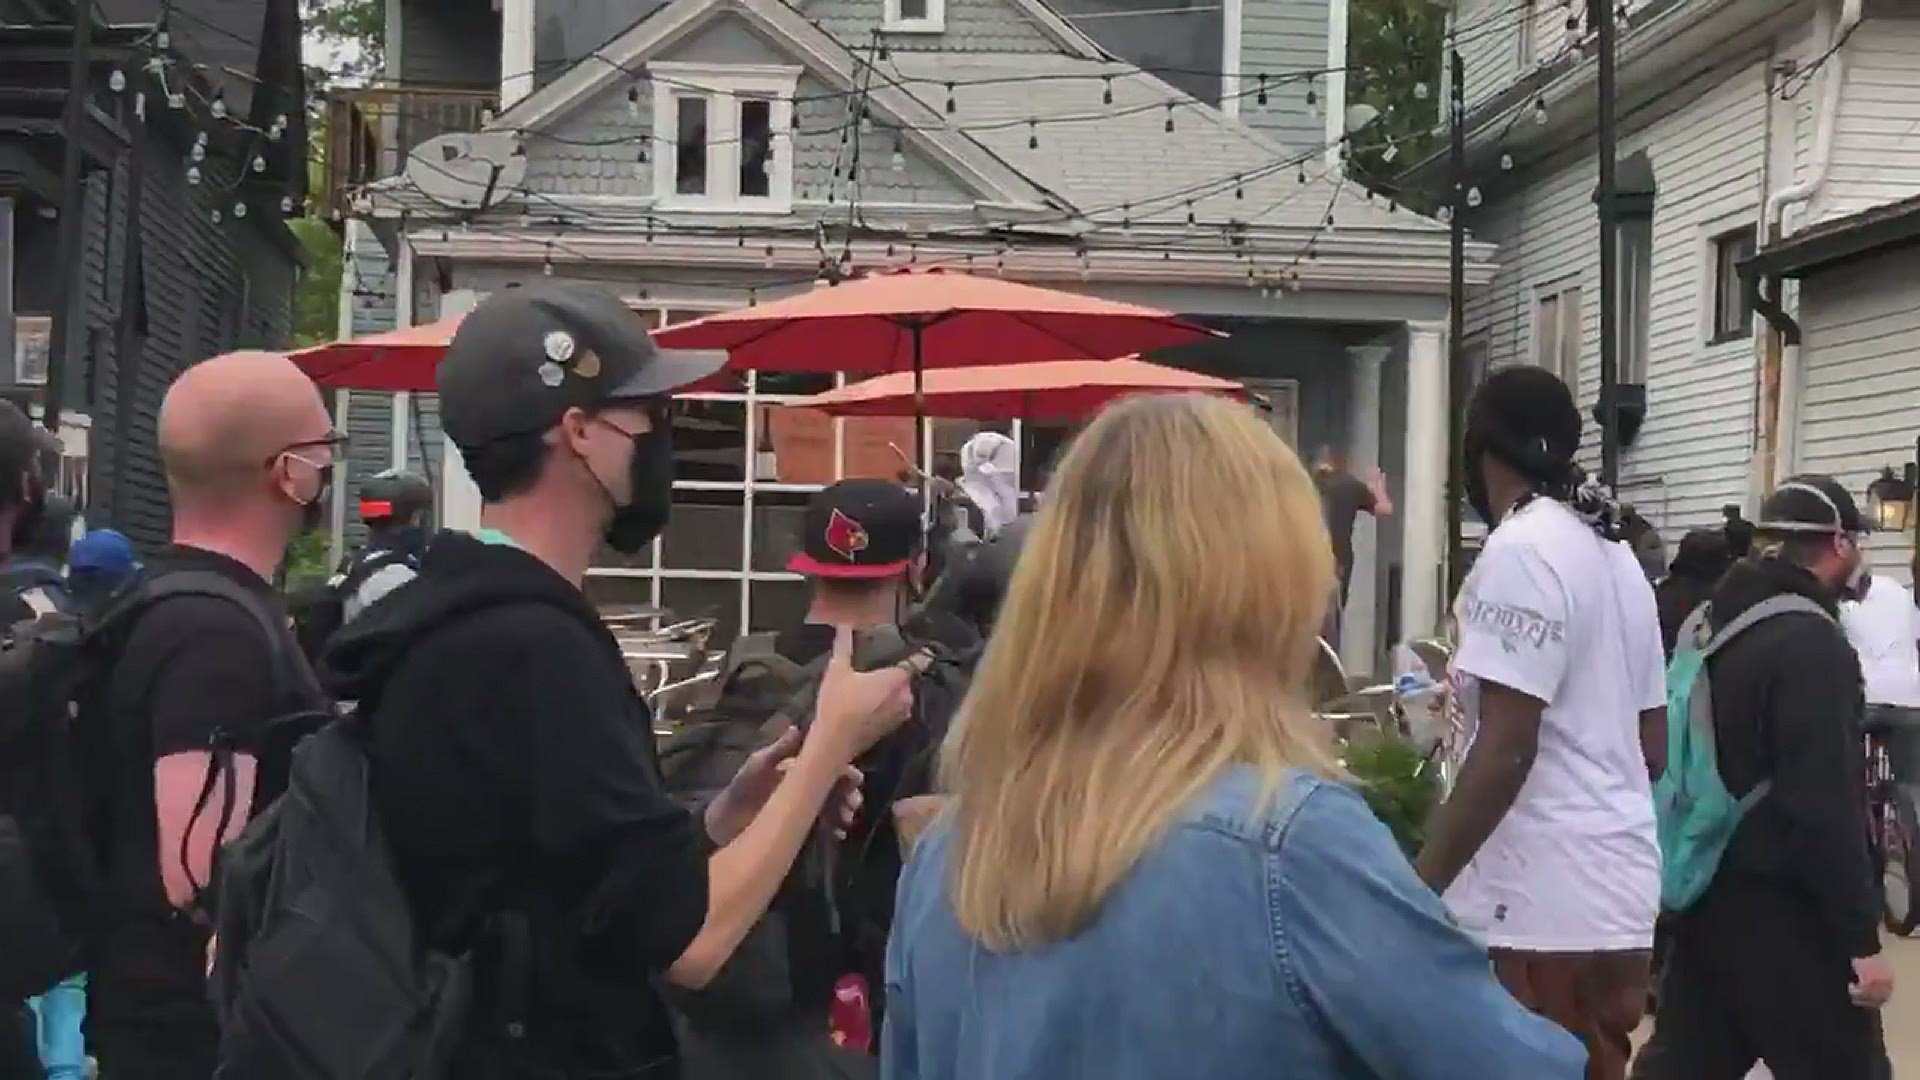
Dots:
pixel 1840 241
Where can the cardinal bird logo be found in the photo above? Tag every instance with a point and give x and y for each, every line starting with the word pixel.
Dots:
pixel 846 536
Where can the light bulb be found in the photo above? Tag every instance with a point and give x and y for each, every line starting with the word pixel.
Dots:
pixel 117 81
pixel 219 107
pixel 286 204
pixel 176 100
pixel 1506 162
pixel 163 41
pixel 198 153
pixel 1420 90
pixel 193 174
pixel 215 216
pixel 259 163
pixel 1445 213
pixel 1473 196
pixel 239 209
pixel 1540 110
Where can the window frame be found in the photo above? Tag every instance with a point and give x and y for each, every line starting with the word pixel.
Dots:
pixel 893 21
pixel 1719 332
pixel 32 337
pixel 653 566
pixel 724 87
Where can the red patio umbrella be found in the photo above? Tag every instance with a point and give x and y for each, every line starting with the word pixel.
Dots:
pixel 914 320
pixel 402 359
pixel 1057 390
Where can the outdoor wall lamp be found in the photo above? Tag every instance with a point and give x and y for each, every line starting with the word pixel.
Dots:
pixel 1890 499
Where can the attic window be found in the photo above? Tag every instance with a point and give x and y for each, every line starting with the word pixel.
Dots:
pixel 915 16
pixel 720 130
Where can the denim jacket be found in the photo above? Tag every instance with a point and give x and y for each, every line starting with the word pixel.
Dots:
pixel 1290 940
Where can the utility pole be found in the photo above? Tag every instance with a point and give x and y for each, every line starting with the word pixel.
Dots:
pixel 1600 17
pixel 1456 322
pixel 73 213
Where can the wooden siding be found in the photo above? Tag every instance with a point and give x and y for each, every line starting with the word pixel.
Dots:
pixel 1692 456
pixel 1860 394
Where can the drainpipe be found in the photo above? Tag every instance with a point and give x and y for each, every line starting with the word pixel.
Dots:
pixel 1824 121
pixel 1780 348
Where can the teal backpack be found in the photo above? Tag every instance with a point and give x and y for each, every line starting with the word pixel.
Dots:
pixel 1694 811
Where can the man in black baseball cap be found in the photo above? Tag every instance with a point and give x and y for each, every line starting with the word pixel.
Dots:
pixel 1779 960
pixel 515 764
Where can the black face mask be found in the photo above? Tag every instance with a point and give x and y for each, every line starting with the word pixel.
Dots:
pixel 314 511
pixel 650 487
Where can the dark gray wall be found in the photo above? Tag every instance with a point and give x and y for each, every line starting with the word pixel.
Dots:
pixel 209 287
pixel 449 43
pixel 1182 34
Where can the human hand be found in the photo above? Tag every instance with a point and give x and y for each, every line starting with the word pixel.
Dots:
pixel 729 814
pixel 856 709
pixel 911 816
pixel 1872 982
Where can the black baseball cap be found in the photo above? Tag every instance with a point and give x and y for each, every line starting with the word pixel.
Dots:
pixel 1809 504
pixel 859 529
pixel 528 354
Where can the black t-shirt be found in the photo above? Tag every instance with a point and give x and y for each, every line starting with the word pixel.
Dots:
pixel 515 768
pixel 192 672
pixel 1343 497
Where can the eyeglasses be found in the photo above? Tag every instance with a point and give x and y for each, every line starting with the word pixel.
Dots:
pixel 333 442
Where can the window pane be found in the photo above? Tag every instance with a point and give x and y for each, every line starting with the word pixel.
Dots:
pixel 756 147
pixel 709 440
pixel 619 592
pixel 1570 332
pixel 794 382
pixel 778 605
pixel 706 599
pixel 778 517
pixel 704 532
pixel 1636 283
pixel 690 146
pixel 913 9
pixel 1546 333
pixel 1732 317
pixel 607 557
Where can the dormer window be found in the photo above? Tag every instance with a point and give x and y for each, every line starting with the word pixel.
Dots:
pixel 914 16
pixel 723 136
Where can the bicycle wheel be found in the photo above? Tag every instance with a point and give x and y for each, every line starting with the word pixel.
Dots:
pixel 1900 835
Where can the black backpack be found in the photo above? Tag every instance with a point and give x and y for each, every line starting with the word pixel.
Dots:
pixel 320 971
pixel 827 915
pixel 55 773
pixel 320 612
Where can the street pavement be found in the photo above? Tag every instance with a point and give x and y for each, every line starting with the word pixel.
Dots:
pixel 1901 1018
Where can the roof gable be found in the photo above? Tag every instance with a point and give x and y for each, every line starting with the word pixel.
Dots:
pixel 1116 163
pixel 824 58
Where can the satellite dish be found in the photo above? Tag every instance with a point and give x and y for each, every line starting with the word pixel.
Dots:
pixel 469 169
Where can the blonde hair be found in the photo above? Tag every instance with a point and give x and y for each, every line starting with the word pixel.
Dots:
pixel 1161 627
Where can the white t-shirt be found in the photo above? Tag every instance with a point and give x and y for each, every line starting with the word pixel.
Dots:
pixel 1884 629
pixel 1559 614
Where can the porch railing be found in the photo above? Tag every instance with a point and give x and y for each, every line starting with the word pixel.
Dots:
pixel 370 131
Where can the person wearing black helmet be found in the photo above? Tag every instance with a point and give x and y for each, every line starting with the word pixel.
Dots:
pixel 395 506
pixel 514 765
pixel 1779 960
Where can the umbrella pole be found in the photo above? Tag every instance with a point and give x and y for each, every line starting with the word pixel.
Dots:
pixel 920 406
pixel 920 456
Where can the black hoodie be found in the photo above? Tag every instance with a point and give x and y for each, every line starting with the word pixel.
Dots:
pixel 1787 704
pixel 514 766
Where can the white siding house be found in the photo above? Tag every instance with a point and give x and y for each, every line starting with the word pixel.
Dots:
pixel 1760 120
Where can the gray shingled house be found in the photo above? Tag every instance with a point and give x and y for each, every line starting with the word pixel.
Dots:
pixel 698 155
pixel 174 269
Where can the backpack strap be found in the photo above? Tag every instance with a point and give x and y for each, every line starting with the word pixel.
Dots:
pixel 285 677
pixel 1781 604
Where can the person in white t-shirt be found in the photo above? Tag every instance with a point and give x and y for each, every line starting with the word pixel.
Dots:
pixel 1546 847
pixel 1883 626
